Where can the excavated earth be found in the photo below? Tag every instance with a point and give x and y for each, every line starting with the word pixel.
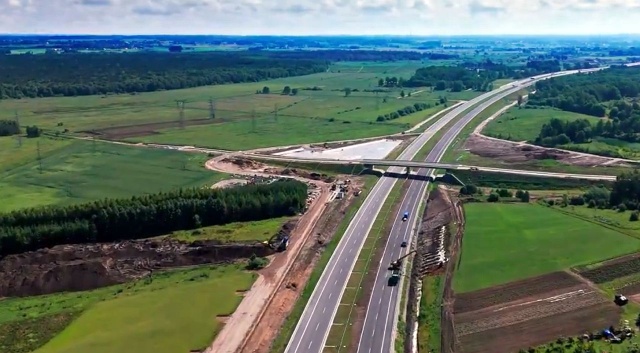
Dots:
pixel 90 266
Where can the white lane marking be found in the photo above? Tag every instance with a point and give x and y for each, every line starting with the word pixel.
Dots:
pixel 324 309
pixel 310 343
pixel 336 282
pixel 340 272
pixel 379 271
pixel 318 325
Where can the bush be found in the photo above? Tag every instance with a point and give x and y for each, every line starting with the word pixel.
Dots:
pixel 634 216
pixel 577 201
pixel 592 204
pixel 493 197
pixel 469 189
pixel 256 263
pixel 622 207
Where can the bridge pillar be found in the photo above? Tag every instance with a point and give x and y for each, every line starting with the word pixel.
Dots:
pixel 408 170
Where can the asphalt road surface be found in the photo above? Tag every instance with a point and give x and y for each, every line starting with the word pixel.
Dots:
pixel 315 323
pixel 382 312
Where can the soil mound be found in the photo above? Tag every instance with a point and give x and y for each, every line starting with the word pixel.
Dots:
pixel 90 266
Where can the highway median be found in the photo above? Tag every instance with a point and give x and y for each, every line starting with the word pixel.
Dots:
pixel 347 322
pixel 286 331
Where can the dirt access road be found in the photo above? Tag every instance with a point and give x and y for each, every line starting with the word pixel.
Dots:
pixel 514 152
pixel 241 324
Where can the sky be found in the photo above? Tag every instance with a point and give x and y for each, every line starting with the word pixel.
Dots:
pixel 323 17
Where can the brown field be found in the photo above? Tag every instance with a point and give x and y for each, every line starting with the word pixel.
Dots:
pixel 612 269
pixel 529 312
pixel 127 131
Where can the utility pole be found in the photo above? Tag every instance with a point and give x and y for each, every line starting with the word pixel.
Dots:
pixel 377 101
pixel 39 157
pixel 253 120
pixel 180 105
pixel 275 113
pixel 212 109
pixel 19 140
pixel 93 140
pixel 17 118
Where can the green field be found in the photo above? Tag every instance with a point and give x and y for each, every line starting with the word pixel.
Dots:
pixel 232 232
pixel 525 124
pixel 243 119
pixel 507 242
pixel 79 171
pixel 171 312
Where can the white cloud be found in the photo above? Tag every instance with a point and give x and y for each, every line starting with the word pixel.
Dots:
pixel 320 16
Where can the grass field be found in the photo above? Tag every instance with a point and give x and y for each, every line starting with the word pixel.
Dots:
pixel 232 232
pixel 243 119
pixel 607 218
pixel 78 171
pixel 507 242
pixel 525 124
pixel 171 312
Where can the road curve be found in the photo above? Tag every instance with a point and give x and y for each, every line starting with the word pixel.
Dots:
pixel 378 333
pixel 315 323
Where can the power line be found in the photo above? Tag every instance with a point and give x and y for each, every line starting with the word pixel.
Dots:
pixel 212 109
pixel 253 120
pixel 275 113
pixel 39 157
pixel 180 105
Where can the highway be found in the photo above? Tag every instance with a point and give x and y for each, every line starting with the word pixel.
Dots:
pixel 315 323
pixel 378 333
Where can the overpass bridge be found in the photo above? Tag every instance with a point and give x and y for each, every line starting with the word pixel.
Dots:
pixel 409 165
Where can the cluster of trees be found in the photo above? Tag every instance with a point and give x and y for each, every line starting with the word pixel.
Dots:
pixel 454 78
pixel 103 73
pixel 286 91
pixel 408 110
pixel 9 128
pixel 624 195
pixel 618 88
pixel 391 82
pixel 495 195
pixel 146 216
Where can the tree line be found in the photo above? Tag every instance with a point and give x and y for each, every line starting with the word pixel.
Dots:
pixel 615 90
pixel 9 128
pixel 104 73
pixel 146 216
pixel 362 55
pixel 408 110
pixel 624 195
pixel 476 76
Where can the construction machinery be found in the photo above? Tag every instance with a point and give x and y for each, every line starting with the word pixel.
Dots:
pixel 394 279
pixel 395 265
pixel 278 242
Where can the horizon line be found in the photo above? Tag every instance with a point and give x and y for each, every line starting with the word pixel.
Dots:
pixel 327 35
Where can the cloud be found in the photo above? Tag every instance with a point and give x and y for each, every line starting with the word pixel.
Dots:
pixel 96 2
pixel 478 7
pixel 320 16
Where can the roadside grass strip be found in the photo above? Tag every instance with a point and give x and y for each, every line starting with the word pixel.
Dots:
pixel 286 331
pixel 341 330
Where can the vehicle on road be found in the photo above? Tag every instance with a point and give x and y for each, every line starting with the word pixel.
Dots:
pixel 394 279
pixel 404 244
pixel 405 216
pixel 474 169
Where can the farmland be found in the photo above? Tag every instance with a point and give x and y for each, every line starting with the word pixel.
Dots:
pixel 528 313
pixel 78 171
pixel 169 317
pixel 619 275
pixel 508 242
pixel 524 124
pixel 243 119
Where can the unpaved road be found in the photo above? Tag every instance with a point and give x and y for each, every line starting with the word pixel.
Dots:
pixel 242 322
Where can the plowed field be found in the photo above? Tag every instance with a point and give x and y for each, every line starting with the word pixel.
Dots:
pixel 613 269
pixel 532 312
